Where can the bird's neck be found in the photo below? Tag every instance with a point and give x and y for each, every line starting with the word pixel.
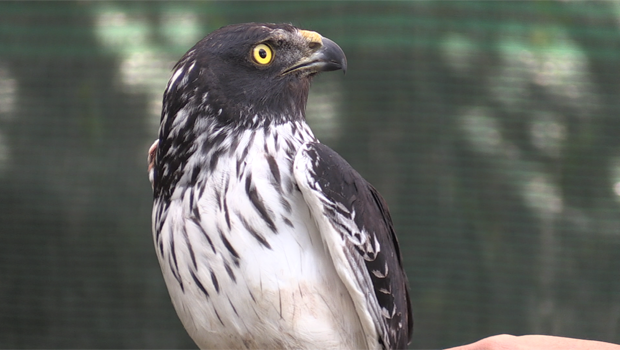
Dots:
pixel 210 144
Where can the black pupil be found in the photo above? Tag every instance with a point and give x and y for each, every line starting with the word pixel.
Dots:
pixel 262 53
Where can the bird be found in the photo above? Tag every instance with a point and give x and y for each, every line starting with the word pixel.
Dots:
pixel 267 238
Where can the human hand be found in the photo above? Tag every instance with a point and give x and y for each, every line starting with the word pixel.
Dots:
pixel 535 342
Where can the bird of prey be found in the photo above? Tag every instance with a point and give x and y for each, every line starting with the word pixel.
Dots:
pixel 268 239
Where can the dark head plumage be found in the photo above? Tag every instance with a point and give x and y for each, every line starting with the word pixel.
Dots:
pixel 223 65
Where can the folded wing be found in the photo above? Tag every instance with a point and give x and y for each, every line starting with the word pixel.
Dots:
pixel 357 229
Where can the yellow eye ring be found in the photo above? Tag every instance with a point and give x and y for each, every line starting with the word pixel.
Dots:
pixel 262 54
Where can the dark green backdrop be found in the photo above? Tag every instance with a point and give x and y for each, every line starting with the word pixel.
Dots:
pixel 492 129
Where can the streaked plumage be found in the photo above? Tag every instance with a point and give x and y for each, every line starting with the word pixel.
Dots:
pixel 267 238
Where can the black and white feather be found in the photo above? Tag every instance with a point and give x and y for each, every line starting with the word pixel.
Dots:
pixel 267 238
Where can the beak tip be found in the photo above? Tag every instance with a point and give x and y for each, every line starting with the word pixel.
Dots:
pixel 332 52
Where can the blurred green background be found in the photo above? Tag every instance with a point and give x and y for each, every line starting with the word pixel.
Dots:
pixel 491 128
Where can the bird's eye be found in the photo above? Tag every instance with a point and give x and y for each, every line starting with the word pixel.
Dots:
pixel 262 54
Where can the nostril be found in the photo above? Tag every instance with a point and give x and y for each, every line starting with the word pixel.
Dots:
pixel 314 45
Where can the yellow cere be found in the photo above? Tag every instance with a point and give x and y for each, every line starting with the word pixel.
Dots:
pixel 312 37
pixel 262 54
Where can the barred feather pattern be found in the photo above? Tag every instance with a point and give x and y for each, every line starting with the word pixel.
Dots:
pixel 242 271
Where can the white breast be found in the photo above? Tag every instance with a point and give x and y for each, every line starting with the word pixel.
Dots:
pixel 262 278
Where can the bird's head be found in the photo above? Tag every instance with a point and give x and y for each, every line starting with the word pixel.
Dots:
pixel 252 69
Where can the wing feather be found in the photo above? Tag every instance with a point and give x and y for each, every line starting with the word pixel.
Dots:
pixel 357 229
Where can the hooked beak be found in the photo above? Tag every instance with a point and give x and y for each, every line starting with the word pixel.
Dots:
pixel 325 55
